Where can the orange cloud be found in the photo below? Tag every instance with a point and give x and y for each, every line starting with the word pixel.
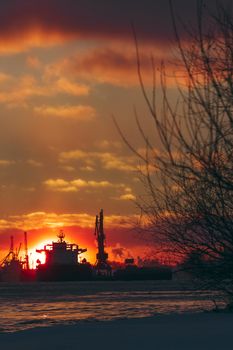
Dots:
pixel 75 185
pixel 34 163
pixel 87 168
pixel 108 160
pixel 4 162
pixel 110 64
pixel 84 113
pixel 127 197
pixel 25 39
pixel 71 88
pixel 4 78
pixel 107 144
pixel 33 62
pixel 39 220
pixel 18 90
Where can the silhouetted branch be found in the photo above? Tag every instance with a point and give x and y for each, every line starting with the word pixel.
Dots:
pixel 188 201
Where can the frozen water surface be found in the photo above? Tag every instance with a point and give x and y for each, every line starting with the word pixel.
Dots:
pixel 24 306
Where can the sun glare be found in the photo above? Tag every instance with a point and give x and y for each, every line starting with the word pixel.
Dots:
pixel 34 256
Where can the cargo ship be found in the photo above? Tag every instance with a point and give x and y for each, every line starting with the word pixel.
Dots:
pixel 62 262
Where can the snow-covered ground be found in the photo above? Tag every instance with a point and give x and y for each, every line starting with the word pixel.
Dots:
pixel 201 331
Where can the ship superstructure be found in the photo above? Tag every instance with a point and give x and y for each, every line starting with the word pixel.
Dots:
pixel 61 252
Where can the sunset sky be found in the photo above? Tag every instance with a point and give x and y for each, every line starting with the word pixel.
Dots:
pixel 67 66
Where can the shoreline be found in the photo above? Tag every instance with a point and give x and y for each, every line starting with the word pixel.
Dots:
pixel 206 330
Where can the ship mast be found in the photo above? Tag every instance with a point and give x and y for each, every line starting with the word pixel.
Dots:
pixel 26 250
pixel 61 236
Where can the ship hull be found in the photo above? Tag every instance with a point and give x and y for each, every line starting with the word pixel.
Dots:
pixel 79 272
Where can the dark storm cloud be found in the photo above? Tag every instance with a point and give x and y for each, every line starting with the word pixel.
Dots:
pixel 92 18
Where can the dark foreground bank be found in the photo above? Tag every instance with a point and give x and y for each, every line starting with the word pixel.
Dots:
pixel 205 331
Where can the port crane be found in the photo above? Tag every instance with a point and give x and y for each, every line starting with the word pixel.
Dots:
pixel 102 265
pixel 12 254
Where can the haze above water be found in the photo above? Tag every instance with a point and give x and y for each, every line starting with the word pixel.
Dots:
pixel 24 306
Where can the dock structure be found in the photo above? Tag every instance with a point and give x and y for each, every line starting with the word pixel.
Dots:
pixel 11 266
